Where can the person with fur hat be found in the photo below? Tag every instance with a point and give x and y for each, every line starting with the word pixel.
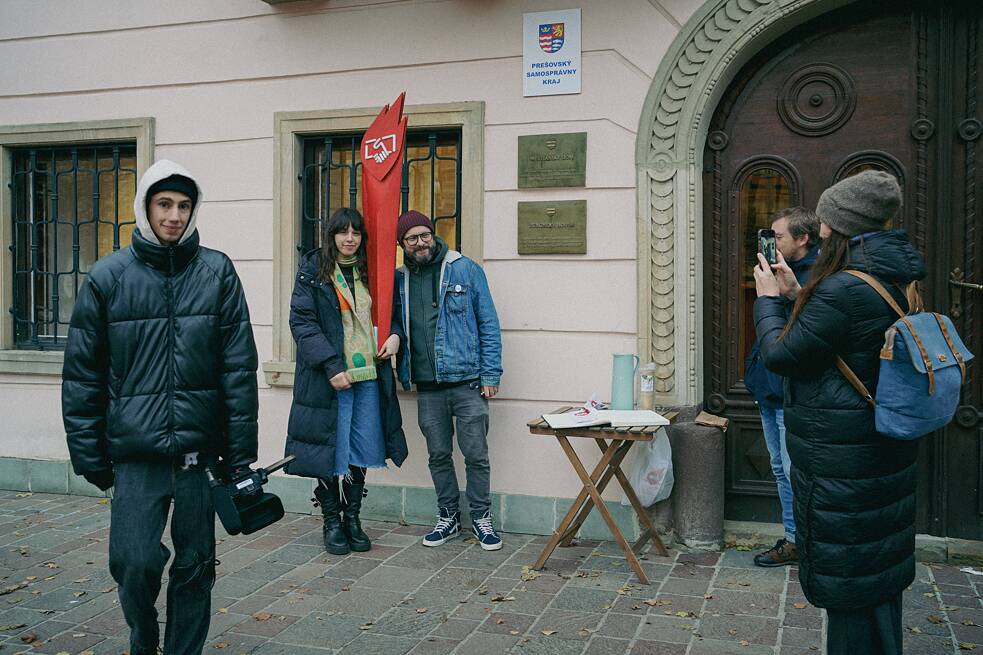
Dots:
pixel 159 377
pixel 854 489
pixel 453 355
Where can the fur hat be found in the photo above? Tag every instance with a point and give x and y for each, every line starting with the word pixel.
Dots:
pixel 864 202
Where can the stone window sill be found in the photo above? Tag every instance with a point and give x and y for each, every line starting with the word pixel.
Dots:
pixel 35 362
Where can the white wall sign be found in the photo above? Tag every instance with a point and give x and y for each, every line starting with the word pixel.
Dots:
pixel 551 52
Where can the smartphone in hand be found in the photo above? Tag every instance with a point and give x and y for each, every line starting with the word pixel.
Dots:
pixel 767 246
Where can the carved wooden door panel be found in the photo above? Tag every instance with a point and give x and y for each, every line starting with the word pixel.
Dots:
pixel 860 88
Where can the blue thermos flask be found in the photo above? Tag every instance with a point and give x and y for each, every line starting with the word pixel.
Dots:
pixel 623 381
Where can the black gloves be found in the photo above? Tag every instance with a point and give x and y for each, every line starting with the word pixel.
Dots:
pixel 102 479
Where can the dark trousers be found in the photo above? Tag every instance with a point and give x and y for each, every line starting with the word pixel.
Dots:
pixel 870 630
pixel 142 498
pixel 438 411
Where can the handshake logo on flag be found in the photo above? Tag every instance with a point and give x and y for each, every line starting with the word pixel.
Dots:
pixel 380 149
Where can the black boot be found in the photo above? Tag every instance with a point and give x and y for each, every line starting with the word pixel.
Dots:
pixel 357 539
pixel 326 495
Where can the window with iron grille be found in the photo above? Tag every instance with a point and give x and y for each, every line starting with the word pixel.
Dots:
pixel 71 205
pixel 431 182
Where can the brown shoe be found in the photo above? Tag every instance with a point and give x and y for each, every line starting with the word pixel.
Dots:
pixel 780 554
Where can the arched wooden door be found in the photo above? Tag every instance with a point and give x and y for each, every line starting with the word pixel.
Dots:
pixel 895 89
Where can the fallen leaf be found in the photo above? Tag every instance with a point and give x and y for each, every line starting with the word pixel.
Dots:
pixel 499 621
pixel 513 632
pixel 31 578
pixel 585 632
pixel 744 642
pixel 684 614
pixel 421 610
pixel 965 645
pixel 78 594
pixel 502 599
pixel 915 630
pixel 29 638
pixel 969 622
pixel 5 628
pixel 935 618
pixel 346 588
pixel 87 652
pixel 708 597
pixel 26 494
pixel 365 626
pixel 548 633
pixel 220 645
pixel 78 634
pixel 799 606
pixel 223 610
pixel 470 540
pixel 82 580
pixel 105 501
pixel 262 616
pixel 51 565
pixel 107 589
pixel 12 588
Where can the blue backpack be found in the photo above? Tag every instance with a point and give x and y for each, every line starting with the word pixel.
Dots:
pixel 923 368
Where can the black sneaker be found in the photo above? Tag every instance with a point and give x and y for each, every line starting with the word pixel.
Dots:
pixel 781 554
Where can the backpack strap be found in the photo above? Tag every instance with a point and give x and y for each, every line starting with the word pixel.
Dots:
pixel 852 378
pixel 879 288
pixel 952 346
pixel 924 353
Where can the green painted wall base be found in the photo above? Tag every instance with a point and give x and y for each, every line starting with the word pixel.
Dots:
pixel 417 505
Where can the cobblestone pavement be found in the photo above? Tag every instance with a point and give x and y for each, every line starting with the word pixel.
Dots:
pixel 279 592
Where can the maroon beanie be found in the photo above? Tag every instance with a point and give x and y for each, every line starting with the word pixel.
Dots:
pixel 411 219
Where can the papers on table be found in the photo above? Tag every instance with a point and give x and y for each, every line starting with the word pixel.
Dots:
pixel 591 415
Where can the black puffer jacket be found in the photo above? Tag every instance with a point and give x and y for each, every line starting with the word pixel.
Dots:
pixel 160 360
pixel 315 321
pixel 854 489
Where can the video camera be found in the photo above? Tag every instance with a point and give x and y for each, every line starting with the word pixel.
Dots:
pixel 241 504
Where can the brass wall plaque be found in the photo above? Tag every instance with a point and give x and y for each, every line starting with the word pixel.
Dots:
pixel 553 160
pixel 553 228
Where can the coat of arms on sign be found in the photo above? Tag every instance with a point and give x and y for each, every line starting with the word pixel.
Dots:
pixel 551 37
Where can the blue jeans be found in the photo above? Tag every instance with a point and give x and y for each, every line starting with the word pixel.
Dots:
pixel 438 411
pixel 773 424
pixel 359 440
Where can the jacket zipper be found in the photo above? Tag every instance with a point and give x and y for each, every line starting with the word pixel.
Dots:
pixel 170 358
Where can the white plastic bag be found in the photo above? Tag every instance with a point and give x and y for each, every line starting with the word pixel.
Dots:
pixel 652 477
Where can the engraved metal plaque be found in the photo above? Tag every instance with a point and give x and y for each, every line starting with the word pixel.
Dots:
pixel 553 160
pixel 553 228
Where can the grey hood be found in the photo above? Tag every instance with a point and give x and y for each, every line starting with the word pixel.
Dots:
pixel 162 169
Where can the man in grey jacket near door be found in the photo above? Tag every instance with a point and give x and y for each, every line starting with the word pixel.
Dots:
pixel 454 357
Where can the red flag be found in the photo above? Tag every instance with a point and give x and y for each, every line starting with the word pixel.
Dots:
pixel 382 172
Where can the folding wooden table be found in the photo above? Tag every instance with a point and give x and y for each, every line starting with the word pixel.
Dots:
pixel 614 444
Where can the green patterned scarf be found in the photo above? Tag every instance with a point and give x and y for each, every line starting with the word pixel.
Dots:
pixel 356 323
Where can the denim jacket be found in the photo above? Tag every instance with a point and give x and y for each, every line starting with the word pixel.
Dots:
pixel 468 344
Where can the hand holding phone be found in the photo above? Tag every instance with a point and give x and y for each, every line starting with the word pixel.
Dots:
pixel 767 245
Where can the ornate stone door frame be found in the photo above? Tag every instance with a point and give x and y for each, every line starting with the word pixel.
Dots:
pixel 706 55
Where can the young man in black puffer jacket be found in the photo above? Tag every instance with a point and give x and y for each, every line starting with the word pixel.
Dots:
pixel 159 375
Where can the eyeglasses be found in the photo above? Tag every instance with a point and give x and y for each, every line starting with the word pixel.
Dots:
pixel 412 240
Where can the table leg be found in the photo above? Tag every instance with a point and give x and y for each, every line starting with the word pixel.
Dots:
pixel 621 449
pixel 649 532
pixel 562 529
pixel 602 508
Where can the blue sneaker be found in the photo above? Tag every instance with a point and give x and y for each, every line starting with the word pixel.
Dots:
pixel 485 533
pixel 448 526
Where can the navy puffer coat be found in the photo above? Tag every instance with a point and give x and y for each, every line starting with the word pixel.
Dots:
pixel 315 321
pixel 854 488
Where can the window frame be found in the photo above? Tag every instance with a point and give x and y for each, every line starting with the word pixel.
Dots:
pixel 126 130
pixel 290 129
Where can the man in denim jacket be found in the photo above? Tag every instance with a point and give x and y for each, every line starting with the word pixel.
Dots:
pixel 453 355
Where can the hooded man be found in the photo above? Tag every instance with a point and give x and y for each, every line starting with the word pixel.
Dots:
pixel 453 355
pixel 159 375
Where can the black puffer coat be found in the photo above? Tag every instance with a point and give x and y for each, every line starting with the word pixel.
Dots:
pixel 160 359
pixel 315 321
pixel 854 489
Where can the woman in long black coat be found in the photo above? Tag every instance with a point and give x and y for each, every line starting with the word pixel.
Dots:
pixel 344 417
pixel 854 488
